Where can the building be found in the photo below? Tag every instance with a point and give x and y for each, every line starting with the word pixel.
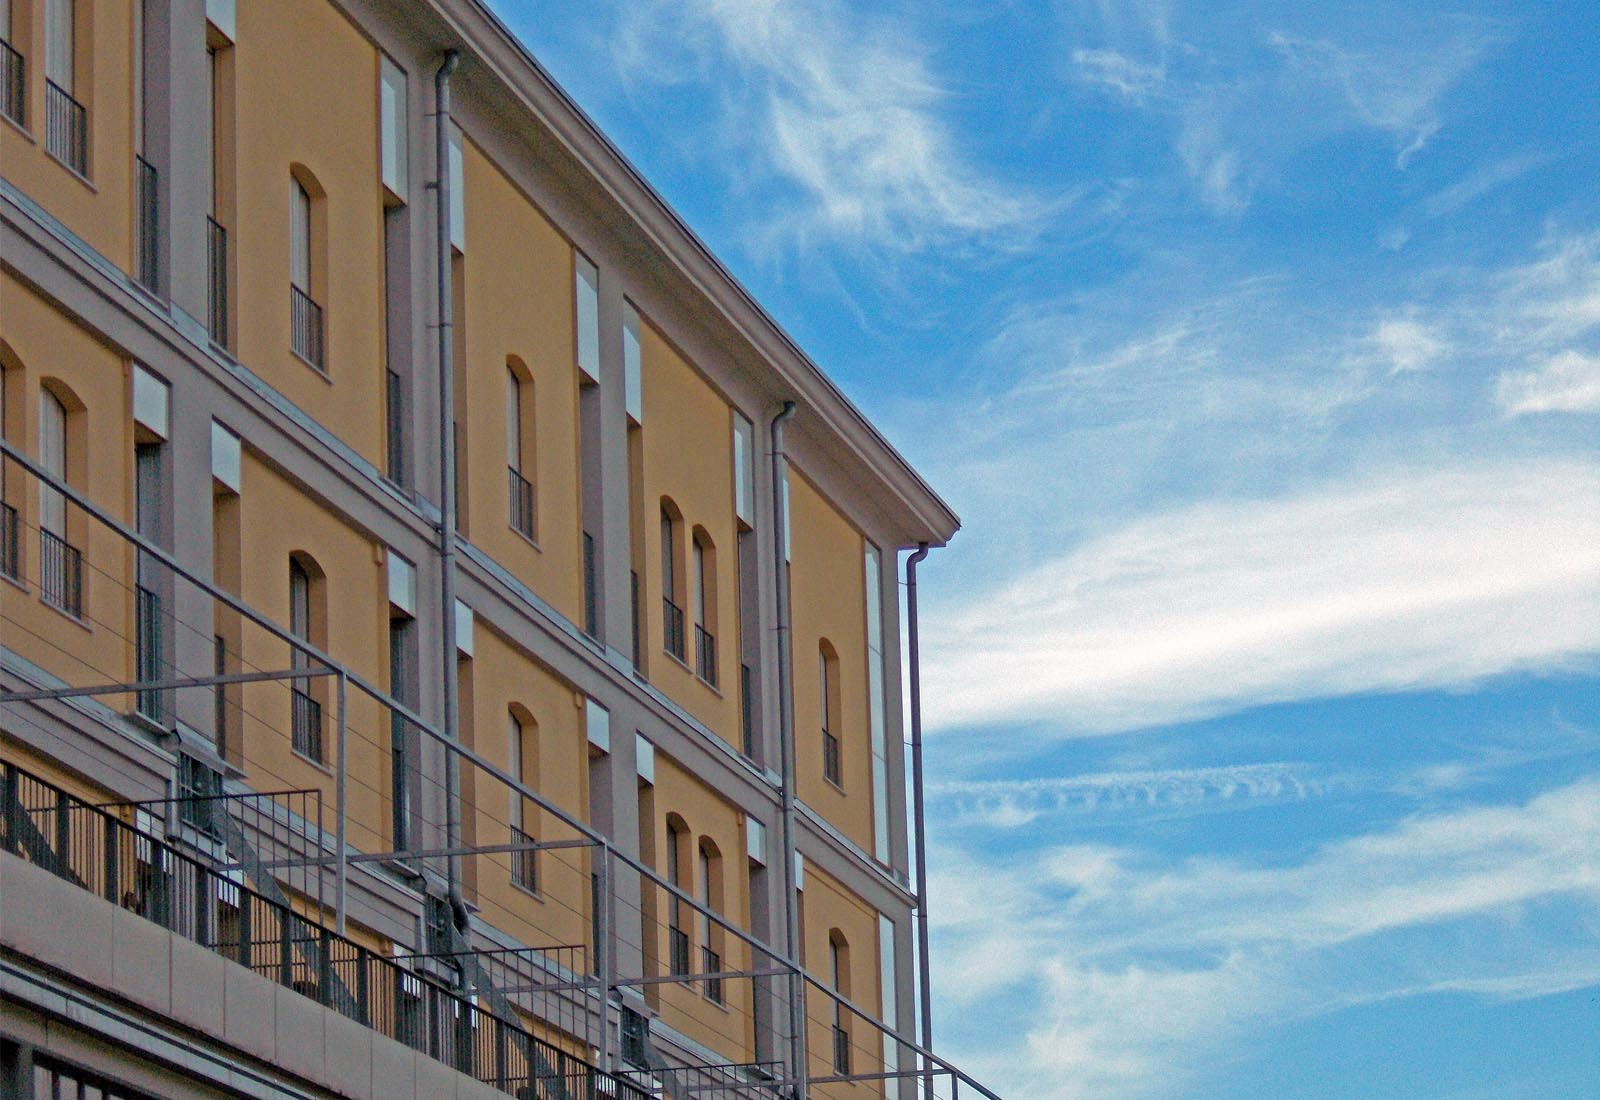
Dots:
pixel 560 761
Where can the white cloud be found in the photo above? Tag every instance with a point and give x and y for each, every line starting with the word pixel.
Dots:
pixel 1012 804
pixel 1408 344
pixel 843 110
pixel 1115 72
pixel 1570 382
pixel 1416 579
pixel 1138 972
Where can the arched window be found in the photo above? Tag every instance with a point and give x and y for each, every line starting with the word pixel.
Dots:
pixel 673 639
pixel 307 263
pixel 828 709
pixel 520 453
pixel 710 933
pixel 60 561
pixel 703 601
pixel 677 936
pixel 307 623
pixel 839 975
pixel 522 750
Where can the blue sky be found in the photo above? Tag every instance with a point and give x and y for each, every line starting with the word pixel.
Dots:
pixel 1258 346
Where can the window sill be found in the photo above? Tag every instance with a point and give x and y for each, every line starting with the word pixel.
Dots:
pixel 76 620
pixel 523 890
pixel 531 540
pixel 320 372
pixel 27 135
pixel 315 763
pixel 73 172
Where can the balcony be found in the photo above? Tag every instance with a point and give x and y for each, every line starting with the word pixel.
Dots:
pixel 830 758
pixel 705 654
pixel 672 628
pixel 60 573
pixel 66 128
pixel 149 224
pixel 520 504
pixel 10 550
pixel 101 854
pixel 305 325
pixel 13 85
pixel 841 1049
pixel 307 725
pixel 216 282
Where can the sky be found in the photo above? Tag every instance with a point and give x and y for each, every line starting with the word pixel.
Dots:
pixel 1258 347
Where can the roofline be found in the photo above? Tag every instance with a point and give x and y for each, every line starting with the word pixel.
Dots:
pixel 490 42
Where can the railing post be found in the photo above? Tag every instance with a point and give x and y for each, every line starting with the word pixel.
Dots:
pixel 286 920
pixel 603 921
pixel 339 795
pixel 324 966
pixel 63 835
pixel 112 850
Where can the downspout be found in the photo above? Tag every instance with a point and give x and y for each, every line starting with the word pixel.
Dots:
pixel 791 918
pixel 924 989
pixel 447 477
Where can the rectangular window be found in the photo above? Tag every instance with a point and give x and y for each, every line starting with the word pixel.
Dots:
pixel 744 490
pixel 458 195
pixel 877 713
pixel 586 288
pixel 59 46
pixel 632 365
pixel 392 122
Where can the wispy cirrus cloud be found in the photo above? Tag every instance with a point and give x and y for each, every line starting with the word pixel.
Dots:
pixel 839 108
pixel 1143 969
pixel 1411 579
pixel 1234 120
pixel 1570 382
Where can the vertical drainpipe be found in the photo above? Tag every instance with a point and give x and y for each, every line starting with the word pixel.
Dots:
pixel 924 990
pixel 447 476
pixel 797 1019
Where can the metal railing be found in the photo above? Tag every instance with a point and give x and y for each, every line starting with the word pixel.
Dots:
pixel 149 223
pixel 305 326
pixel 841 1049
pixel 711 962
pixel 66 128
pixel 148 662
pixel 591 589
pixel 521 501
pixel 677 951
pixel 10 547
pixel 60 573
pixel 633 604
pixel 216 282
pixel 136 869
pixel 747 709
pixel 830 756
pixel 394 404
pixel 524 862
pixel 738 1081
pixel 672 628
pixel 705 654
pixel 307 725
pixel 13 84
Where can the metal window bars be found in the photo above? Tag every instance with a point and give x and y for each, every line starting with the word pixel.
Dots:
pixel 747 710
pixel 677 951
pixel 66 128
pixel 10 547
pixel 591 589
pixel 148 658
pixel 306 720
pixel 131 866
pixel 520 505
pixel 711 963
pixel 841 1049
pixel 395 427
pixel 637 625
pixel 524 862
pixel 148 197
pixel 13 84
pixel 831 769
pixel 672 629
pixel 60 573
pixel 305 328
pixel 216 282
pixel 705 654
